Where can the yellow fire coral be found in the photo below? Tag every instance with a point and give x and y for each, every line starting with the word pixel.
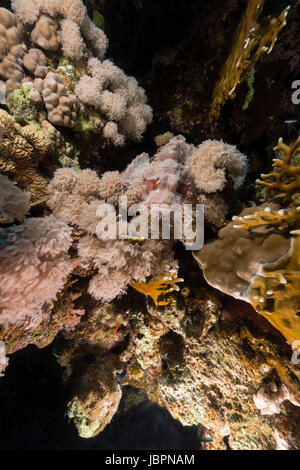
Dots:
pixel 285 179
pixel 275 292
pixel 251 42
pixel 159 287
pixel 269 217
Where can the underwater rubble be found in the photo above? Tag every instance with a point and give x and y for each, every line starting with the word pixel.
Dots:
pixel 210 333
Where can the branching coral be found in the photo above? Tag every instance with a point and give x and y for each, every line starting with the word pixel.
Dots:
pixel 34 268
pixel 285 179
pixel 252 40
pixel 268 217
pixel 14 203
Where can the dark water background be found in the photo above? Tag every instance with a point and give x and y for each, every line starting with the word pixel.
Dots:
pixel 33 403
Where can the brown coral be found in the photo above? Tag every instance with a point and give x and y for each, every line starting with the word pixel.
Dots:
pixel 20 150
pixel 62 107
pixel 36 63
pixel 45 33
pixel 11 51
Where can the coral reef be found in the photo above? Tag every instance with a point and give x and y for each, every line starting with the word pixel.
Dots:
pixel 63 34
pixel 98 263
pixel 230 262
pixel 75 196
pixel 260 251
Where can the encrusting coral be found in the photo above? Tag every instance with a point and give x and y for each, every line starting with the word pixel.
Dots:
pixel 97 397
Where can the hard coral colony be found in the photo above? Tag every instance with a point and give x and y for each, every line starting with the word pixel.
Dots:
pixel 215 346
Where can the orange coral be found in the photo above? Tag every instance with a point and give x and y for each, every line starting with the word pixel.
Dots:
pixel 159 287
pixel 252 40
pixel 275 292
pixel 282 219
pixel 287 179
